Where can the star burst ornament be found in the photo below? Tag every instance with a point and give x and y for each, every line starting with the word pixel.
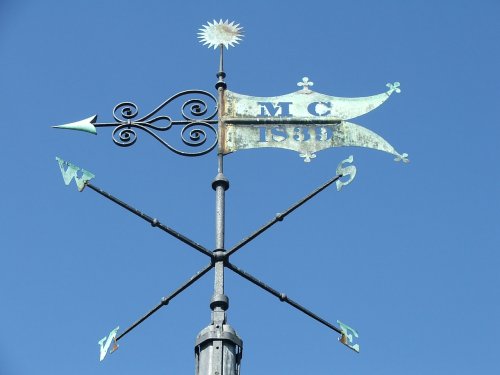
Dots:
pixel 220 33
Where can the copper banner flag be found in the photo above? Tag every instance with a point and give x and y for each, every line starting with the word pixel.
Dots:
pixel 304 121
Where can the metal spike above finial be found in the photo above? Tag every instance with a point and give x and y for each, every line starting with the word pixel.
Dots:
pixel 222 33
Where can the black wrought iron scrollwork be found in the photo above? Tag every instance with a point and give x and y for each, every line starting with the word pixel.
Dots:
pixel 126 136
pixel 197 128
pixel 128 110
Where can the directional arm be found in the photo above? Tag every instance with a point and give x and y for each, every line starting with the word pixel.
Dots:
pixel 281 216
pixel 166 300
pixel 195 123
pixel 153 221
pixel 282 296
pixel 82 178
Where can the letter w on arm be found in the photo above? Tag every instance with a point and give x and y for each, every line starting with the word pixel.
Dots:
pixel 70 171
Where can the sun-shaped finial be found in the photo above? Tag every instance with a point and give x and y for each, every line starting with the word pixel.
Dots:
pixel 220 33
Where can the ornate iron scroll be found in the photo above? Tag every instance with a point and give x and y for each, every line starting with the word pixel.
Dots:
pixel 197 123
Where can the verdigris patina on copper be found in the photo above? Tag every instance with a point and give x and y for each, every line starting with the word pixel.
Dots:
pixel 304 121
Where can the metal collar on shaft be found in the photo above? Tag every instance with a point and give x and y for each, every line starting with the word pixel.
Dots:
pixel 220 180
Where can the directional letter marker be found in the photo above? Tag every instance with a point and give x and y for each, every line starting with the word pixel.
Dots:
pixel 345 171
pixel 105 343
pixel 304 121
pixel 347 334
pixel 71 172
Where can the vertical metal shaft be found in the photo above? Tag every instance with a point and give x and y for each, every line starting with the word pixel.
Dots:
pixel 218 348
pixel 220 185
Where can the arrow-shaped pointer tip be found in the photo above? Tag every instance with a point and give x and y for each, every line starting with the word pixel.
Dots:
pixel 86 125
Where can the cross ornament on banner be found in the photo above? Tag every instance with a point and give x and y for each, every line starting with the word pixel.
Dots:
pixel 305 85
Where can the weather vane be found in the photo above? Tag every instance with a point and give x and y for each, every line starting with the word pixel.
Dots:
pixel 304 121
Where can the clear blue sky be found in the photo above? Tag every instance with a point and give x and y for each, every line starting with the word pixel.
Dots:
pixel 407 254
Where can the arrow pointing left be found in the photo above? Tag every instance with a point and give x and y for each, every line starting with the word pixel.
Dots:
pixel 86 125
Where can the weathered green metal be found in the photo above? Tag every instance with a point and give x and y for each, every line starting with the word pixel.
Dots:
pixel 72 171
pixel 347 335
pixel 304 104
pixel 86 125
pixel 304 121
pixel 307 138
pixel 345 171
pixel 105 343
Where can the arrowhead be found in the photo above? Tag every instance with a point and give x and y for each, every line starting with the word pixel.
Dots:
pixel 86 125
